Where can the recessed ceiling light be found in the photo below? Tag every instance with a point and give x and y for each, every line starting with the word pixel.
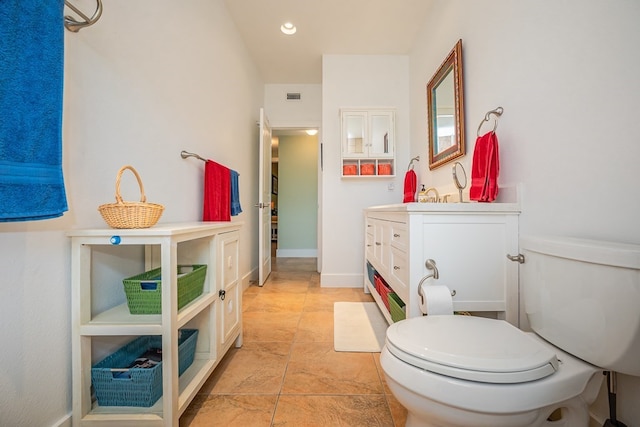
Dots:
pixel 311 132
pixel 288 28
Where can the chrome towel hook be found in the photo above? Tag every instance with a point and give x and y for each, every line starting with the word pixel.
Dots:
pixel 74 25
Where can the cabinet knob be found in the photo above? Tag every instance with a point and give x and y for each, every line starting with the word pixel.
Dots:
pixel 396 235
pixel 395 267
pixel 378 243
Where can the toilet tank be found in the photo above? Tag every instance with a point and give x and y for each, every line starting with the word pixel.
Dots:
pixel 583 296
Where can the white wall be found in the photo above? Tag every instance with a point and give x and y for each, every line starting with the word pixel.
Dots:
pixel 357 81
pixel 151 78
pixel 297 196
pixel 302 113
pixel 566 74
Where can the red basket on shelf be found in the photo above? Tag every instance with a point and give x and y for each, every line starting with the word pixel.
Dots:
pixel 383 289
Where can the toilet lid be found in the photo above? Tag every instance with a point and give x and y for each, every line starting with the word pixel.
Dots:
pixel 471 348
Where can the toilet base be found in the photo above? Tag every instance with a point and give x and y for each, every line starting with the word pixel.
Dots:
pixel 425 411
pixel 422 412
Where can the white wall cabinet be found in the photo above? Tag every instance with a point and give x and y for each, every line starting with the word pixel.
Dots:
pixel 368 142
pixel 217 313
pixel 469 243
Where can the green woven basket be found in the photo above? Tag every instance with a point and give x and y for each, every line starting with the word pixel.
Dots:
pixel 144 291
pixel 396 307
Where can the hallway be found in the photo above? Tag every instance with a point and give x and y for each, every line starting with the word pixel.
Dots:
pixel 287 373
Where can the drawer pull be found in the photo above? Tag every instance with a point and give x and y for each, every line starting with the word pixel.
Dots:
pixel 378 243
pixel 395 267
pixel 396 235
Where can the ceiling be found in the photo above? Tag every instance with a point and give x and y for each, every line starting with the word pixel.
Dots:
pixel 364 27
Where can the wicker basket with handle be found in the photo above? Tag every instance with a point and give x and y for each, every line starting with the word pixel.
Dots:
pixel 130 214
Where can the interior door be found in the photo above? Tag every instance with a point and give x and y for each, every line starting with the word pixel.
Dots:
pixel 264 201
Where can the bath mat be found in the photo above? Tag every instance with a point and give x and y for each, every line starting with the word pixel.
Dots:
pixel 358 327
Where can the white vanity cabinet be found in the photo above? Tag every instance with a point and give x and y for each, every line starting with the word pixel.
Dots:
pixel 469 243
pixel 101 258
pixel 368 142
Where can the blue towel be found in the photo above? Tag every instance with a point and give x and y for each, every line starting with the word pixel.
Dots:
pixel 235 194
pixel 31 60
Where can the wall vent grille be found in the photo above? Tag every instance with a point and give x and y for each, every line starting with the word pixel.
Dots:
pixel 294 96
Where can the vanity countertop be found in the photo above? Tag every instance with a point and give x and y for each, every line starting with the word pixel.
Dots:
pixel 447 207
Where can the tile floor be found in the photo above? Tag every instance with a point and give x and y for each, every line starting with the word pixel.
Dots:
pixel 287 373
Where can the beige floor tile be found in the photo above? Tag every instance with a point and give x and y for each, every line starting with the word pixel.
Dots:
pixel 267 327
pixel 332 411
pixel 287 373
pixel 315 326
pixel 231 410
pixel 398 412
pixel 282 303
pixel 315 368
pixel 323 299
pixel 254 368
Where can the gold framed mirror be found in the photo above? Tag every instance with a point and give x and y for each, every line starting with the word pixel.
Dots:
pixel 445 110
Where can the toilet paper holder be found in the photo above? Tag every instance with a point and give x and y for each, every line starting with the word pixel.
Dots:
pixel 435 274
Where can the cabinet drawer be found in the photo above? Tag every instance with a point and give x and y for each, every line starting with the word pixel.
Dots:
pixel 230 312
pixel 229 258
pixel 399 236
pixel 399 271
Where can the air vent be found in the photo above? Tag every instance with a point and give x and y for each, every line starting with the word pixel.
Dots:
pixel 294 96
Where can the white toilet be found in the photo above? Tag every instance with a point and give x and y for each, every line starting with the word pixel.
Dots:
pixel 581 300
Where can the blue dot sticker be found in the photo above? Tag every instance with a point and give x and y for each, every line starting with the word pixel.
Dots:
pixel 115 240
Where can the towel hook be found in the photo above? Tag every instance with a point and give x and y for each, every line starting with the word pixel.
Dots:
pixel 415 159
pixel 497 112
pixel 73 24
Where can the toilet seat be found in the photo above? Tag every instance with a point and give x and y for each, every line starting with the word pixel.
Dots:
pixel 471 348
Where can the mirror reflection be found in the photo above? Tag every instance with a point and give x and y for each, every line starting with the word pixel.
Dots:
pixel 445 110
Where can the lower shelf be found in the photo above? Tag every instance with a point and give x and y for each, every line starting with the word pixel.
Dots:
pixel 378 300
pixel 189 383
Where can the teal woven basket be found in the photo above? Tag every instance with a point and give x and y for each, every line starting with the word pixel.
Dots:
pixel 144 291
pixel 142 387
pixel 371 273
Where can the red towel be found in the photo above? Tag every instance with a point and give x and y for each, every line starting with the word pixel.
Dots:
pixel 217 192
pixel 485 169
pixel 410 185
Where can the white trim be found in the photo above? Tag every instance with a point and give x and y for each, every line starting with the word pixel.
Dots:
pixel 296 253
pixel 341 280
pixel 63 422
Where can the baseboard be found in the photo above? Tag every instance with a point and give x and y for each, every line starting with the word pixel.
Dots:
pixel 341 280
pixel 63 422
pixel 296 253
pixel 249 278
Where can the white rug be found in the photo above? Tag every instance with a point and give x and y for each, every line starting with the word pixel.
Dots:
pixel 358 327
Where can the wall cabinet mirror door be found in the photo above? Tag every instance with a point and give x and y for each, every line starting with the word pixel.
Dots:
pixel 354 134
pixel 381 135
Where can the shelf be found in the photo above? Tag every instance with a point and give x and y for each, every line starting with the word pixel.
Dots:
pixel 189 383
pixel 376 296
pixel 119 321
pixel 211 243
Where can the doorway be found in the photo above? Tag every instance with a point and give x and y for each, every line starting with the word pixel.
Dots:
pixel 295 194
